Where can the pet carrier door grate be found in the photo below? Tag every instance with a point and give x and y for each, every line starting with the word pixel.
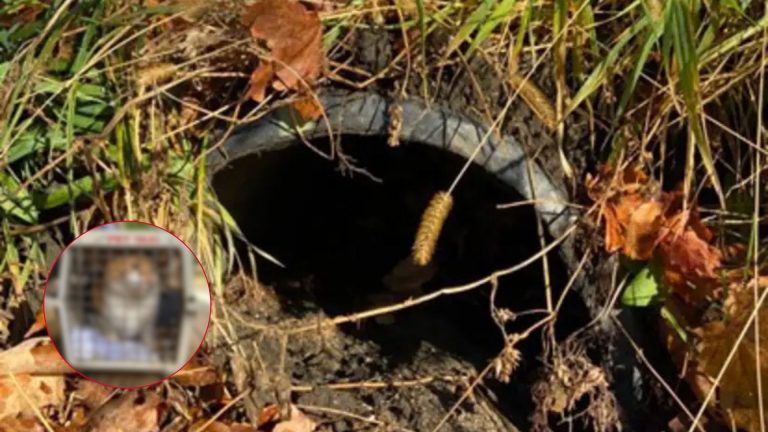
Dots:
pixel 84 305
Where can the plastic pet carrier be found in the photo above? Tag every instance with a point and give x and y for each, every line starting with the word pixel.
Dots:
pixel 81 303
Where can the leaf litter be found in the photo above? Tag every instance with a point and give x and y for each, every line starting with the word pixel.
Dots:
pixel 647 224
pixel 294 37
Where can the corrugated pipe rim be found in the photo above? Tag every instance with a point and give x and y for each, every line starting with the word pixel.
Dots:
pixel 366 113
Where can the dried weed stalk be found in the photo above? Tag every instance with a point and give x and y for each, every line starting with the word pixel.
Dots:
pixel 572 382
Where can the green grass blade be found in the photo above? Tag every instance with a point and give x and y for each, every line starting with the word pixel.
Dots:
pixel 63 194
pixel 35 140
pixel 687 61
pixel 422 27
pixel 499 14
pixel 16 202
pixel 477 17
pixel 598 76
pixel 642 58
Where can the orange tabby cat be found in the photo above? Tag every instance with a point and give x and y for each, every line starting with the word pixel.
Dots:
pixel 130 298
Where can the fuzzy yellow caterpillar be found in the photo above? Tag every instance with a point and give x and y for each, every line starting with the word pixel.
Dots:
pixel 429 229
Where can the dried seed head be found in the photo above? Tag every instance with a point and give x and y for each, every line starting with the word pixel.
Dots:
pixel 429 229
pixel 395 125
pixel 155 73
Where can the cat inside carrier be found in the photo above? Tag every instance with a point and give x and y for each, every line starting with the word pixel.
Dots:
pixel 126 304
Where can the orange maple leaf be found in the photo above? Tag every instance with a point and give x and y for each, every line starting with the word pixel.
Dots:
pixel 643 230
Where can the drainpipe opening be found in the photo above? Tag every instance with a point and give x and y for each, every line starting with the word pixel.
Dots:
pixel 341 237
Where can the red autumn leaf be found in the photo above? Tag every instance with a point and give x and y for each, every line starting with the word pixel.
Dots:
pixel 294 36
pixel 690 255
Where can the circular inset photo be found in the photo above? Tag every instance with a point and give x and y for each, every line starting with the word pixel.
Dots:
pixel 127 304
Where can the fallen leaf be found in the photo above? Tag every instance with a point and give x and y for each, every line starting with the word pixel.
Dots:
pixel 308 108
pixel 196 374
pixel 294 36
pixel 737 392
pixel 133 411
pixel 641 226
pixel 218 426
pixel 92 394
pixel 260 79
pixel 688 258
pixel 21 423
pixel 617 213
pixel 297 423
pixel 23 394
pixel 38 325
pixel 643 290
pixel 643 230
pixel 33 356
pixel 268 414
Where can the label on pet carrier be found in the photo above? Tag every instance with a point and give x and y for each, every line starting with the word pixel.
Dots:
pixel 125 306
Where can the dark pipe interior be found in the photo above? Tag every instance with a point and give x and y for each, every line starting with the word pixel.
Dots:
pixel 347 231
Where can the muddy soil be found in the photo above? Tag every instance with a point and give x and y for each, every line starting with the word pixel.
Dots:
pixel 352 383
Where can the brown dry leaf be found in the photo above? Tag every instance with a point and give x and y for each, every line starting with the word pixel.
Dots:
pixel 308 108
pixel 196 374
pixel 25 14
pixel 134 411
pixel 297 423
pixel 640 226
pixel 218 426
pixel 93 395
pixel 22 423
pixel 260 79
pixel 23 394
pixel 294 36
pixel 617 213
pixel 614 232
pixel 33 356
pixel 268 414
pixel 621 195
pixel 38 325
pixel 688 257
pixel 643 230
pixel 738 388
